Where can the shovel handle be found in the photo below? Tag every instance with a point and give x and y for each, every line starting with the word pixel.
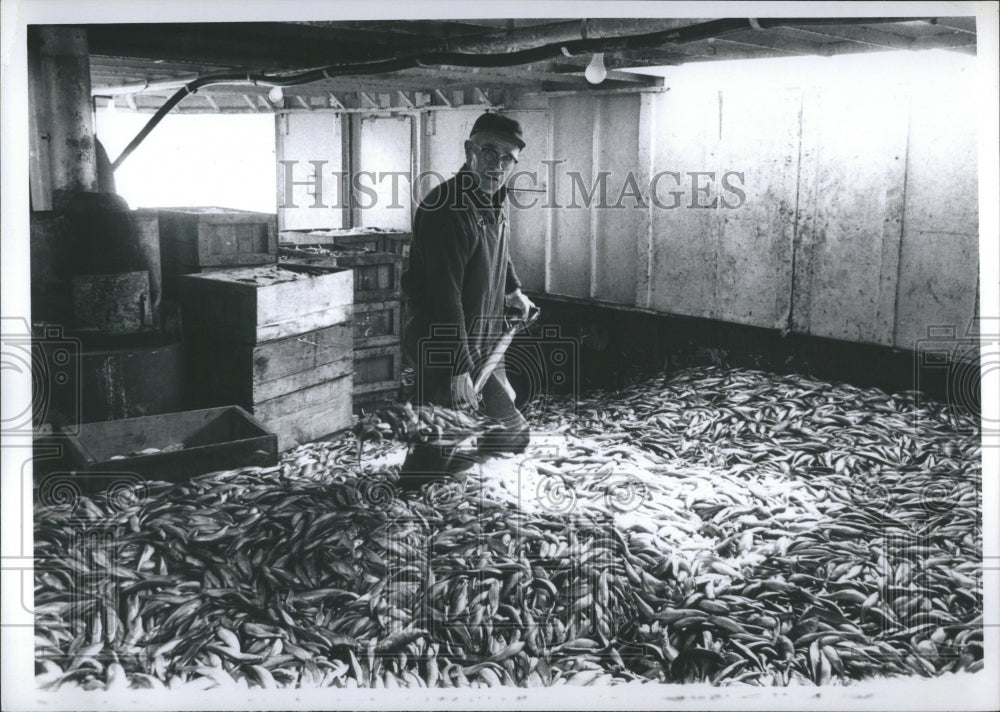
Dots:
pixel 493 360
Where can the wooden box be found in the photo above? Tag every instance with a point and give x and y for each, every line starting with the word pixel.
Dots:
pixel 196 441
pixel 346 238
pixel 397 243
pixel 310 238
pixel 366 242
pixel 371 401
pixel 129 382
pixel 309 413
pixel 377 369
pixel 377 323
pixel 192 239
pixel 367 239
pixel 247 374
pixel 376 274
pixel 305 253
pixel 254 305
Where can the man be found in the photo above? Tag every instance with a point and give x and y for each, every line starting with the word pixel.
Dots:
pixel 457 284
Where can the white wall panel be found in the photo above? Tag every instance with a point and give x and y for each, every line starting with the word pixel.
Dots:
pixel 304 138
pixel 939 260
pixel 385 153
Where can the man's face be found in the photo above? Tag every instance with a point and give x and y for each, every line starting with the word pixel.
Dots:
pixel 492 158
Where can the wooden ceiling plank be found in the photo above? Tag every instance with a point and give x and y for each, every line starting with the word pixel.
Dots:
pixel 961 24
pixel 771 40
pixel 948 40
pixel 733 50
pixel 858 34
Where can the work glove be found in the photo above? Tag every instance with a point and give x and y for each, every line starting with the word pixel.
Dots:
pixel 519 302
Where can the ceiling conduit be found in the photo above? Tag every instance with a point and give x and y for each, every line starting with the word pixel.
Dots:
pixel 466 58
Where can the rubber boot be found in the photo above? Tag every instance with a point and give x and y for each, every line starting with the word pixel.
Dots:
pixel 496 441
pixel 430 463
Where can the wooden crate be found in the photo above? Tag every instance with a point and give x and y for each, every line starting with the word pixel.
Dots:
pixel 371 401
pixel 309 413
pixel 369 239
pixel 397 243
pixel 306 253
pixel 192 239
pixel 255 305
pixel 205 441
pixel 128 381
pixel 331 240
pixel 377 323
pixel 377 369
pixel 367 242
pixel 309 238
pixel 354 238
pixel 376 275
pixel 221 373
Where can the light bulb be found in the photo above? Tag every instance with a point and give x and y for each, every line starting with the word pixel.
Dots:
pixel 595 71
pixel 275 95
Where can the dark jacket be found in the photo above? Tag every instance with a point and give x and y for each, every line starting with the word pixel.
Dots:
pixel 459 269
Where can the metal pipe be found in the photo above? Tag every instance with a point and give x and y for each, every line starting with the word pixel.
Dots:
pixel 686 33
pixel 523 37
pixel 141 86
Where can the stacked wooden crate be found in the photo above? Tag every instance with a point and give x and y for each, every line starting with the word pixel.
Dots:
pixel 378 308
pixel 397 243
pixel 275 340
pixel 370 239
pixel 203 239
pixel 378 356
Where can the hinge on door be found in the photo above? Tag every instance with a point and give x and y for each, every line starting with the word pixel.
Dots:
pixel 283 124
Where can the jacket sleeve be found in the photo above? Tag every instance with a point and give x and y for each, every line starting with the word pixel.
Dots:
pixel 447 249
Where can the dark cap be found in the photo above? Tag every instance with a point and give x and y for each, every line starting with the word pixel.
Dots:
pixel 501 125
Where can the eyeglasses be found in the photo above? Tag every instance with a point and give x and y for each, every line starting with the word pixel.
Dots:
pixel 491 155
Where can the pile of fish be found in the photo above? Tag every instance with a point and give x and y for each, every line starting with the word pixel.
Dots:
pixel 727 526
